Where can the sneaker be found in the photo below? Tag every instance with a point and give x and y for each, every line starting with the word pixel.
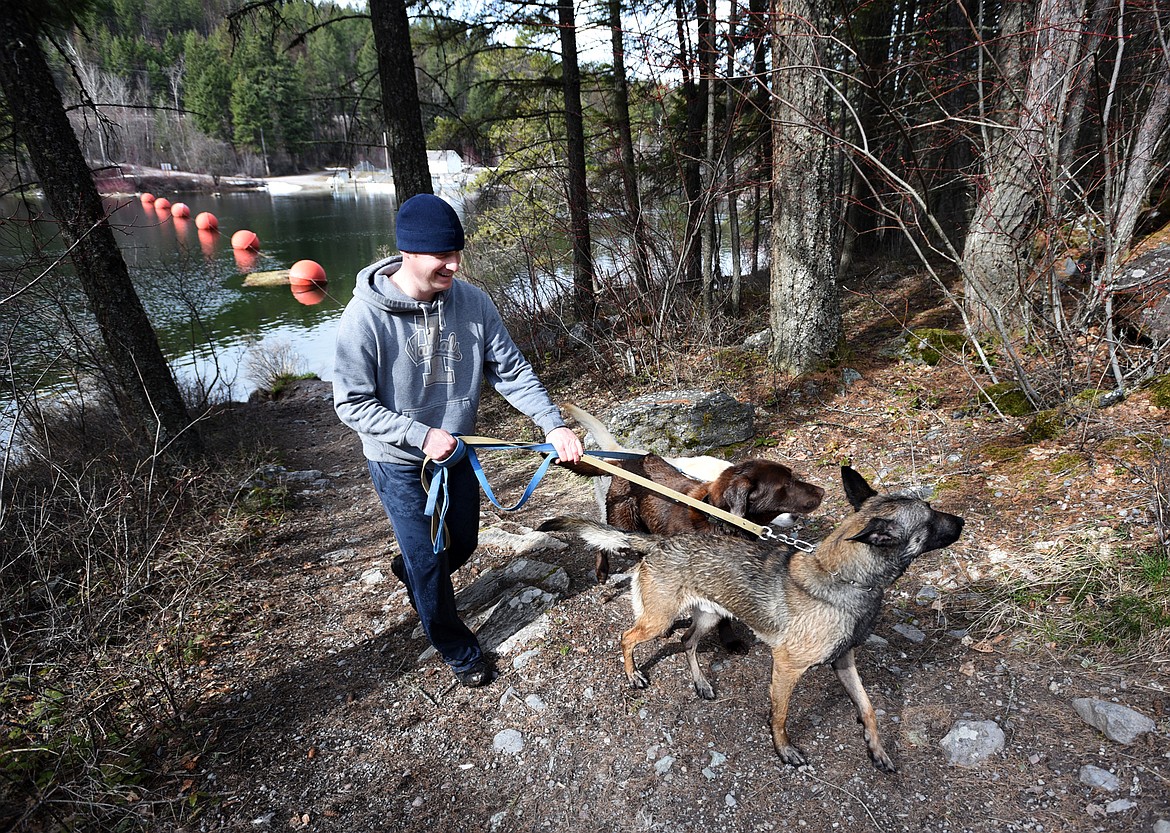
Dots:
pixel 477 675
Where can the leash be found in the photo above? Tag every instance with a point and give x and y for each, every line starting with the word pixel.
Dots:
pixel 437 487
pixel 466 444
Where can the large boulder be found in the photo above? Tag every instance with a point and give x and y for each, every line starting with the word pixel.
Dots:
pixel 684 422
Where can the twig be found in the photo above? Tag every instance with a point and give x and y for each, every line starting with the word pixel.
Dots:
pixel 864 806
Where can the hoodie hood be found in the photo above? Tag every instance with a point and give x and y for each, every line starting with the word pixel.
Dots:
pixel 375 287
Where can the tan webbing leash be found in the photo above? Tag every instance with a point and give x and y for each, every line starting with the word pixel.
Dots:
pixel 764 533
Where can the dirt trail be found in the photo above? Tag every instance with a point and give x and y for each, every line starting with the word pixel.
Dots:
pixel 319 717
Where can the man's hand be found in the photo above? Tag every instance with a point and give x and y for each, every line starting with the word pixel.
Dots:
pixel 439 444
pixel 568 446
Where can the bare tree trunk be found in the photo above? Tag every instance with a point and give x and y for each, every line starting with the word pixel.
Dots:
pixel 806 309
pixel 996 256
pixel 1139 172
pixel 406 145
pixel 732 209
pixel 690 150
pixel 710 199
pixel 575 146
pixel 149 399
pixel 760 31
pixel 635 219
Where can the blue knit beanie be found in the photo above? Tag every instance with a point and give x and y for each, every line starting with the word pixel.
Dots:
pixel 426 224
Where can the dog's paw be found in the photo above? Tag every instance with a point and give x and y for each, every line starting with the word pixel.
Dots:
pixel 882 761
pixel 704 690
pixel 790 755
pixel 639 680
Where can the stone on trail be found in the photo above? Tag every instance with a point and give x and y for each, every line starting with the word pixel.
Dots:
pixel 971 742
pixel 1120 724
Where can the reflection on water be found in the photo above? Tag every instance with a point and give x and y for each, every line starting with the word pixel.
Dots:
pixel 191 280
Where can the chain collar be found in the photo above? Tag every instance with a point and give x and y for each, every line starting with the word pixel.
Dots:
pixel 770 533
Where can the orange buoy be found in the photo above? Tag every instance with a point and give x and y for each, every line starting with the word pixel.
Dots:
pixel 180 209
pixel 206 221
pixel 306 272
pixel 146 197
pixel 245 240
pixel 309 293
pixel 162 204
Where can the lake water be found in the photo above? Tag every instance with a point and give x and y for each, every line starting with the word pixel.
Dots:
pixel 208 322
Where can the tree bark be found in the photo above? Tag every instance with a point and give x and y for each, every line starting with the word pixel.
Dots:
pixel 805 304
pixel 148 398
pixel 635 220
pixel 1139 172
pixel 709 175
pixel 690 148
pixel 575 150
pixel 997 253
pixel 406 144
pixel 736 288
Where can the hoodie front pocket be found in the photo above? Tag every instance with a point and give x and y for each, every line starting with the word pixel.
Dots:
pixel 455 415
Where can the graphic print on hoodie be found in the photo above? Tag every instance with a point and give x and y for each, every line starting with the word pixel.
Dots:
pixel 435 353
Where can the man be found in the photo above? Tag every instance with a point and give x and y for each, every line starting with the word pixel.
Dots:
pixel 414 346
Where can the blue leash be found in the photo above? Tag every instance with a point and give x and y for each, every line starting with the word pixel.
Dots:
pixel 437 488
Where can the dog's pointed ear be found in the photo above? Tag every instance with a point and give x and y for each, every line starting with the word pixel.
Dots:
pixel 857 491
pixel 879 532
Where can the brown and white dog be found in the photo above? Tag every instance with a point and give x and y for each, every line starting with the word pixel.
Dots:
pixel 758 490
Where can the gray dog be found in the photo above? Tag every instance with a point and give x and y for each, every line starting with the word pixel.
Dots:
pixel 810 607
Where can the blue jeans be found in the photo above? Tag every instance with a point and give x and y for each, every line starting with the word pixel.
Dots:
pixel 428 576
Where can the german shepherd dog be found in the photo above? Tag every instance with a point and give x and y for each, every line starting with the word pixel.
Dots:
pixel 810 607
pixel 758 490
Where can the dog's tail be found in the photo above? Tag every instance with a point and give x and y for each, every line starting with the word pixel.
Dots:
pixel 599 535
pixel 605 440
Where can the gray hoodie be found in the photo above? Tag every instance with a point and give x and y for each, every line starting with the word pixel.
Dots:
pixel 404 366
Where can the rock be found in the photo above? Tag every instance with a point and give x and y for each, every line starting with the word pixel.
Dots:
pixel 523 659
pixel 529 541
pixel 910 632
pixel 506 607
pixel 508 741
pixel 1099 779
pixel 492 584
pixel 372 576
pixel 1143 295
pixel 761 342
pixel 1121 805
pixel 1120 724
pixel 927 596
pixel 663 764
pixel 307 476
pixel 682 422
pixel 1162 826
pixel 971 742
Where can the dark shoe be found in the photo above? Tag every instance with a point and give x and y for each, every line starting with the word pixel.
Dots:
pixel 477 675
